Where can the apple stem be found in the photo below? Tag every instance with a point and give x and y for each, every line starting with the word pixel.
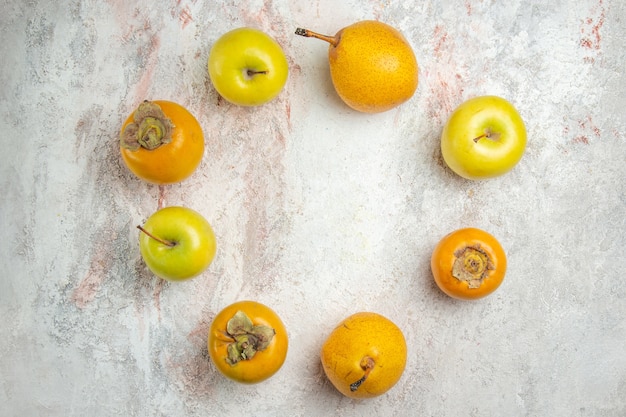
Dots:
pixel 367 364
pixel 309 34
pixel 252 73
pixel 158 239
pixel 476 139
pixel 488 134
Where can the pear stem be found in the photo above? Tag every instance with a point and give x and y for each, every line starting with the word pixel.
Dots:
pixel 367 364
pixel 309 34
pixel 158 239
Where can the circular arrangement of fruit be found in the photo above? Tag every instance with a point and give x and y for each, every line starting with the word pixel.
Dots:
pixel 373 69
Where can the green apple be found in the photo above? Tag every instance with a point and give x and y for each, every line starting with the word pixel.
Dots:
pixel 177 243
pixel 484 137
pixel 247 67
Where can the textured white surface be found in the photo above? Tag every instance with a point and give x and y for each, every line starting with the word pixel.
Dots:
pixel 319 211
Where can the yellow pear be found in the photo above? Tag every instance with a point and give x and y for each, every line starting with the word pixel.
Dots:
pixel 372 66
pixel 364 356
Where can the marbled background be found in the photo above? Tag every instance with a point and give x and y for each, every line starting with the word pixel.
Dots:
pixel 319 211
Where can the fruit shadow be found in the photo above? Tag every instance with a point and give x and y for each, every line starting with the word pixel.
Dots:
pixel 441 167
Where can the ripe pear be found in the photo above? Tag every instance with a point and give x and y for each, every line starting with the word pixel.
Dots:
pixel 365 355
pixel 372 66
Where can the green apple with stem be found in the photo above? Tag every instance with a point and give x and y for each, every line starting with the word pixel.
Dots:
pixel 247 67
pixel 177 243
pixel 484 137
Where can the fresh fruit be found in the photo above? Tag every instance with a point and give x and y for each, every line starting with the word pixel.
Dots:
pixel 247 342
pixel 247 67
pixel 484 137
pixel 468 264
pixel 177 243
pixel 161 142
pixel 372 66
pixel 364 356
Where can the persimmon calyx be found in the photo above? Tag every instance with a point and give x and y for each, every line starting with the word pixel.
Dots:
pixel 248 339
pixel 150 128
pixel 472 264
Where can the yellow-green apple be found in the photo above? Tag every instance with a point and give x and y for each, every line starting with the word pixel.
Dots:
pixel 177 243
pixel 247 67
pixel 484 137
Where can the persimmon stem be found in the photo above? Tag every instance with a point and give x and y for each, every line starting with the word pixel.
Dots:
pixel 310 34
pixel 367 364
pixel 158 239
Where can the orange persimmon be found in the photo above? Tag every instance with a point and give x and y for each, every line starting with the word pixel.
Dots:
pixel 247 342
pixel 161 142
pixel 468 264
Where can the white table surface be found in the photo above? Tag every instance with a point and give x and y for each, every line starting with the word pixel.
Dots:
pixel 319 211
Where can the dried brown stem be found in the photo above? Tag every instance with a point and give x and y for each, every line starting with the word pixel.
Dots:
pixel 158 239
pixel 367 364
pixel 310 34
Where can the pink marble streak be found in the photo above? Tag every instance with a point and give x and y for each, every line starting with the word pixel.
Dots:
pixel 86 290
